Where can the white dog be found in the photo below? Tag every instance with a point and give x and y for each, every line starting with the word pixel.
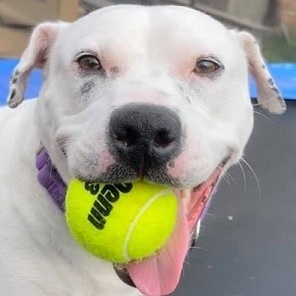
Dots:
pixel 129 92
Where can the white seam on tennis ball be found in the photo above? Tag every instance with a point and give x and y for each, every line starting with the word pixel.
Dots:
pixel 133 224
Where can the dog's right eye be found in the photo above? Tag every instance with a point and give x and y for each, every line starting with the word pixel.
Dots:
pixel 206 66
pixel 89 62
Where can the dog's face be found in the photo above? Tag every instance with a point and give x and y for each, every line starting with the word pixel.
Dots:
pixel 153 93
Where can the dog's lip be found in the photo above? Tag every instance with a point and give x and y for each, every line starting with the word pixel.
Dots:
pixel 196 200
pixel 123 274
pixel 219 168
pixel 218 171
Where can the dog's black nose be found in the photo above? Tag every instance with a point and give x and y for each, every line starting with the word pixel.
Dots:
pixel 144 135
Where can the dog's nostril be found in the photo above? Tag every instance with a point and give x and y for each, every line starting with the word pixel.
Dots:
pixel 126 135
pixel 163 138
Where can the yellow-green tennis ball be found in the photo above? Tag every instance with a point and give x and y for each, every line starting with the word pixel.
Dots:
pixel 120 222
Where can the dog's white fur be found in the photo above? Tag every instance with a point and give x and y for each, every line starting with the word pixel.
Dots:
pixel 154 51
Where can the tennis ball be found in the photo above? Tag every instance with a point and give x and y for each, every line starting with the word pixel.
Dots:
pixel 120 222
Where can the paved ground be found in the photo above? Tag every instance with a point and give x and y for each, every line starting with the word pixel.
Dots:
pixel 248 242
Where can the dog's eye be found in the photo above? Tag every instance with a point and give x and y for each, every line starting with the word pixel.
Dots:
pixel 89 62
pixel 206 67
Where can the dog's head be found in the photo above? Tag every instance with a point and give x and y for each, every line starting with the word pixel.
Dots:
pixel 153 93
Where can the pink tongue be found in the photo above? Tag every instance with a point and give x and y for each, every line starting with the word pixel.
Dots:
pixel 160 274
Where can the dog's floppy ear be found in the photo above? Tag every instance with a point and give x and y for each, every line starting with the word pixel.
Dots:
pixel 269 96
pixel 34 56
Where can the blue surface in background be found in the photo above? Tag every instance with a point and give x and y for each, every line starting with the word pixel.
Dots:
pixel 6 69
pixel 284 75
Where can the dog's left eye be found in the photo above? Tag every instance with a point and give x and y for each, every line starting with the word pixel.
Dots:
pixel 89 62
pixel 206 67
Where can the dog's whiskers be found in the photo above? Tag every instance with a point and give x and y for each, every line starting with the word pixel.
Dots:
pixel 32 87
pixel 244 176
pixel 258 104
pixel 207 214
pixel 263 115
pixel 228 178
pixel 254 174
pixel 195 247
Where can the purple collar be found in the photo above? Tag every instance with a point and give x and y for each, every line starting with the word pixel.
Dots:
pixel 50 179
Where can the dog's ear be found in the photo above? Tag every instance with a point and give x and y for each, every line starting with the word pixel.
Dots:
pixel 34 56
pixel 269 96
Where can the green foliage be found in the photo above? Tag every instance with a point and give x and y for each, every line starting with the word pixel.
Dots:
pixel 278 49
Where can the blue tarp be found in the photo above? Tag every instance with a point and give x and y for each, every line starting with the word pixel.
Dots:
pixel 284 75
pixel 6 68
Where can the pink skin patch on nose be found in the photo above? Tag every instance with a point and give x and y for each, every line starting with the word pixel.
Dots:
pixel 181 167
pixel 106 160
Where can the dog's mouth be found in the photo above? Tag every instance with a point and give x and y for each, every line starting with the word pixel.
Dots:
pixel 160 274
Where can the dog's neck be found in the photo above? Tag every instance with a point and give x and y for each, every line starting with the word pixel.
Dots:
pixel 50 179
